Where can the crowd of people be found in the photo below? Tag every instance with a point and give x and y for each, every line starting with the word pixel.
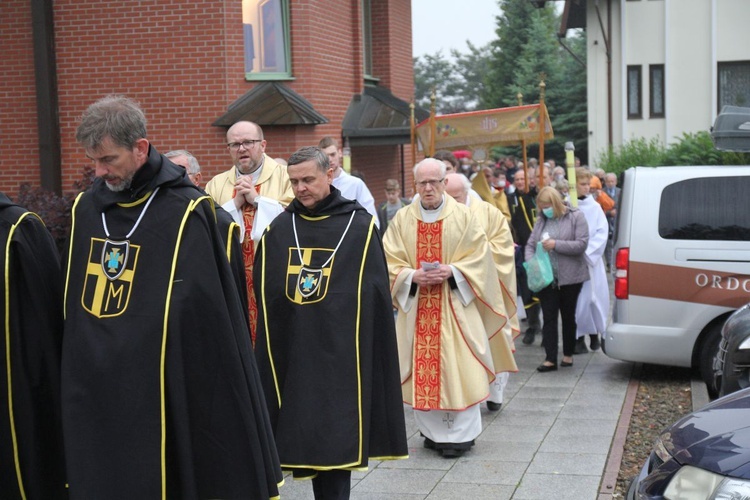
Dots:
pixel 196 343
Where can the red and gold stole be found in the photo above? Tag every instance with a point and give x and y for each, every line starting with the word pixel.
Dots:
pixel 248 256
pixel 427 335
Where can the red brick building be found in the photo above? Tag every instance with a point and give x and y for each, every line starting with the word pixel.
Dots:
pixel 303 69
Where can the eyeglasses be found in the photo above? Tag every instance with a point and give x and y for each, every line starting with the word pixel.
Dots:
pixel 235 146
pixel 434 183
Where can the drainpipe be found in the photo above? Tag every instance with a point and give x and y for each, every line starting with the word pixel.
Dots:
pixel 607 45
pixel 668 117
pixel 48 122
pixel 609 70
pixel 714 99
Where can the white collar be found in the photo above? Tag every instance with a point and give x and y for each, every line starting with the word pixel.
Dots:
pixel 254 176
pixel 431 215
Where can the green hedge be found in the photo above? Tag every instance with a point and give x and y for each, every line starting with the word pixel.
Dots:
pixel 691 149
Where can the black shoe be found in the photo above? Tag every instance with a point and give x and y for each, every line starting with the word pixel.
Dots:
pixel 494 406
pixel 452 453
pixel 546 368
pixel 566 364
pixel 595 344
pixel 429 444
pixel 581 346
pixel 528 337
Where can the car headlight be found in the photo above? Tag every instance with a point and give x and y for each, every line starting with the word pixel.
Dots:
pixel 660 449
pixel 691 483
pixel 745 344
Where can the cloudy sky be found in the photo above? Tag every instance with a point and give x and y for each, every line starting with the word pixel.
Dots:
pixel 447 24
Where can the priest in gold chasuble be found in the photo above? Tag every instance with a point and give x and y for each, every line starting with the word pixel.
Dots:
pixel 449 300
pixel 497 230
pixel 254 191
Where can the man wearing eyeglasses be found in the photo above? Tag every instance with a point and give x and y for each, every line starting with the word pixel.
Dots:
pixel 254 191
pixel 445 286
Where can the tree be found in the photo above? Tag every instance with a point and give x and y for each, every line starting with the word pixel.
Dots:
pixel 471 67
pixel 436 72
pixel 491 76
pixel 571 109
pixel 526 48
pixel 512 37
pixel 457 82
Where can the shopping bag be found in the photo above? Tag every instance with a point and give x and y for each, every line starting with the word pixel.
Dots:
pixel 539 273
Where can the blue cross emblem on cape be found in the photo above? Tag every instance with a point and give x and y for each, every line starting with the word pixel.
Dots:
pixel 115 258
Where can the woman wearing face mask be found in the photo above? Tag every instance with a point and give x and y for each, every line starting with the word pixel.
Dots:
pixel 564 234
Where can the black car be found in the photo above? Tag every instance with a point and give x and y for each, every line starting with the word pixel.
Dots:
pixel 704 455
pixel 732 363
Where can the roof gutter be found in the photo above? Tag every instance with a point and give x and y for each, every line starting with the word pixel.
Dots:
pixel 45 70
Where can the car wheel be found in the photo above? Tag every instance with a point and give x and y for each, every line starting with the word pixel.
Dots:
pixel 709 350
pixel 630 495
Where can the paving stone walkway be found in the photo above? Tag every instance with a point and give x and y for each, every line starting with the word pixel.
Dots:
pixel 551 439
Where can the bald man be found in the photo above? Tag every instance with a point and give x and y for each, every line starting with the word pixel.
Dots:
pixel 441 269
pixel 500 240
pixel 254 191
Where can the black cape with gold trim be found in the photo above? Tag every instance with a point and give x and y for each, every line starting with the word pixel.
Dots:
pixel 31 452
pixel 160 391
pixel 328 362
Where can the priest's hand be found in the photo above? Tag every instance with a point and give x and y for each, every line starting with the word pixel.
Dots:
pixel 245 192
pixel 432 276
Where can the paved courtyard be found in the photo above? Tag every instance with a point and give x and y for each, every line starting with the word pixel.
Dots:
pixel 551 439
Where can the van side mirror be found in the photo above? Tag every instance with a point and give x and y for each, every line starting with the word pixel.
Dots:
pixel 731 130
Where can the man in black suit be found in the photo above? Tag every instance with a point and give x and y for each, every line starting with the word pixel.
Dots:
pixel 523 215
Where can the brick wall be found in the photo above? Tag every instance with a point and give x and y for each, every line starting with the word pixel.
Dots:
pixel 168 55
pixel 18 121
pixel 184 62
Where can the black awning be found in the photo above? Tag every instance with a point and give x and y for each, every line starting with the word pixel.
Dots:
pixel 271 103
pixel 377 117
pixel 573 16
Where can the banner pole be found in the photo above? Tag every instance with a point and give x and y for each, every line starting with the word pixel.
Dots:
pixel 519 97
pixel 542 126
pixel 412 135
pixel 433 123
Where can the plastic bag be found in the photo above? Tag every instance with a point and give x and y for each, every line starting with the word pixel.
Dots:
pixel 539 269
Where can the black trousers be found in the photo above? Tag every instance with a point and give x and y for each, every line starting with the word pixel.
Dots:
pixel 559 300
pixel 333 484
pixel 532 316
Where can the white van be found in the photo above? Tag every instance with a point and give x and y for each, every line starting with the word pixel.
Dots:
pixel 682 263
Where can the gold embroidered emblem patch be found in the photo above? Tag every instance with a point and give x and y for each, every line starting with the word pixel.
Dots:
pixel 109 277
pixel 306 281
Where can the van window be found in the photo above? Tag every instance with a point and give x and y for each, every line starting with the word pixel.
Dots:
pixel 707 208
